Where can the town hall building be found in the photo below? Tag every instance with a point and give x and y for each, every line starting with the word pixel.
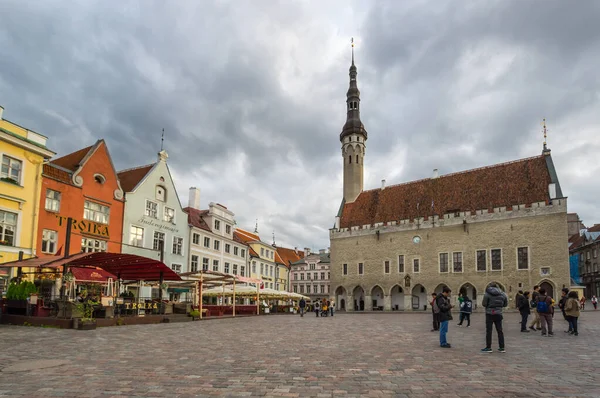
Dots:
pixel 393 246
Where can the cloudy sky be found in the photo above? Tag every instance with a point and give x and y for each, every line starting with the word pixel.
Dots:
pixel 251 93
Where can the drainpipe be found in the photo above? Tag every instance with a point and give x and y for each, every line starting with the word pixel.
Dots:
pixel 36 204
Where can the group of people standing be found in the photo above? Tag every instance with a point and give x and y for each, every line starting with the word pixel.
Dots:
pixel 541 304
pixel 320 307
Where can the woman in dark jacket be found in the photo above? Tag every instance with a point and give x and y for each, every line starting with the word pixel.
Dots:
pixel 524 309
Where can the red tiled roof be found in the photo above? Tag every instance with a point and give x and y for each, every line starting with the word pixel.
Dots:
pixel 57 174
pixel 595 228
pixel 520 182
pixel 72 160
pixel 246 236
pixel 289 256
pixel 576 241
pixel 252 252
pixel 131 177
pixel 195 218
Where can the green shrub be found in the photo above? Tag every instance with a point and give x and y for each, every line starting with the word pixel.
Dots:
pixel 20 291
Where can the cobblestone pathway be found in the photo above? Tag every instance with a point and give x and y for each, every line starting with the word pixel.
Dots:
pixel 347 355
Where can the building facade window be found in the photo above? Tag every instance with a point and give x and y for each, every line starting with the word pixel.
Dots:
pixel 523 258
pixel 158 242
pixel 216 265
pixel 228 229
pixel 49 241
pixel 136 236
pixel 416 265
pixel 496 259
pixel 12 169
pixel 217 225
pixel 196 239
pixel 52 200
pixel 254 267
pixel 194 263
pixel 235 250
pixel 361 269
pixel 227 248
pixel 302 276
pixel 457 262
pixel 96 212
pixel 205 264
pixel 235 270
pixel 262 252
pixel 206 242
pixel 227 268
pixel 176 268
pixel 217 244
pixel 322 276
pixel 345 269
pixel 92 245
pixel 242 270
pixel 177 245
pixel 322 289
pixel 386 266
pixel 443 262
pixel 401 264
pixel 295 288
pixel 151 209
pixel 169 215
pixel 243 253
pixel 8 228
pixel 481 260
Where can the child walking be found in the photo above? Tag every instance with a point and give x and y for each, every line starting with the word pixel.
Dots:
pixel 466 307
pixel 572 312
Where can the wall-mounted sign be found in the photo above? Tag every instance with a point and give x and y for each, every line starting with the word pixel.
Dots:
pixel 141 306
pixel 159 226
pixel 86 226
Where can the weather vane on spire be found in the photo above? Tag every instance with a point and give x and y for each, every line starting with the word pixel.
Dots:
pixel 352 43
pixel 256 227
pixel 273 237
pixel 162 140
pixel 545 133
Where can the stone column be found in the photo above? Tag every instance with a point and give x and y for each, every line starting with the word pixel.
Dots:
pixel 408 302
pixel 349 303
pixel 477 305
pixel 368 303
pixel 387 302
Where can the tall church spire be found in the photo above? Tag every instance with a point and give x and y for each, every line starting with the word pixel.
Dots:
pixel 353 138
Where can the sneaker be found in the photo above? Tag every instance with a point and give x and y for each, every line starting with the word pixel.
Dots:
pixel 568 331
pixel 501 350
pixel 576 334
pixel 488 350
pixel 538 328
pixel 532 328
pixel 550 334
pixel 524 331
pixel 543 334
pixel 458 324
pixel 446 346
pixel 468 326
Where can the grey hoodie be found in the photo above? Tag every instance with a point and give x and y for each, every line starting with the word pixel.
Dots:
pixel 494 300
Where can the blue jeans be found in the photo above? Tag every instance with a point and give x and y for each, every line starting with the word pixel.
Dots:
pixel 443 331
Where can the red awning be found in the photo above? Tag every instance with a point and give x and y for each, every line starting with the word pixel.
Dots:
pixel 91 274
pixel 128 266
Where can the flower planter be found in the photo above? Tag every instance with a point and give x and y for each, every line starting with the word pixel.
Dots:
pixel 16 307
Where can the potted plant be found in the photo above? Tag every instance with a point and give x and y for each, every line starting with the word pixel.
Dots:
pixel 195 314
pixel 16 297
pixel 87 321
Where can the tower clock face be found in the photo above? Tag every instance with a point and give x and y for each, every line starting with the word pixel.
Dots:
pixel 416 239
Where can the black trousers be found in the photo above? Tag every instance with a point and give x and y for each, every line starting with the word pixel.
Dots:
pixel 493 320
pixel 436 321
pixel 524 316
pixel 463 316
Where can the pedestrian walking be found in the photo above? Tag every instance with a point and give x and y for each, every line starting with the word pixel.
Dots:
pixel 524 309
pixel 331 307
pixel 561 304
pixel 582 302
pixel 436 315
pixel 545 310
pixel 302 306
pixel 536 323
pixel 494 300
pixel 595 302
pixel 572 311
pixel 317 308
pixel 466 308
pixel 442 302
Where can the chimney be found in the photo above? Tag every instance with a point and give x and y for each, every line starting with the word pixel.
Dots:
pixel 194 198
pixel 1 112
pixel 435 173
pixel 306 251
pixel 296 250
pixel 321 251
pixel 382 185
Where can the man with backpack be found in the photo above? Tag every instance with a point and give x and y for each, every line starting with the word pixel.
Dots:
pixel 443 307
pixel 544 309
pixel 494 300
pixel 535 324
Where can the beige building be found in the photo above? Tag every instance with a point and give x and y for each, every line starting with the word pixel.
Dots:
pixel 392 247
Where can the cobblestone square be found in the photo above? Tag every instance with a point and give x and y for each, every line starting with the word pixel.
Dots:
pixel 347 355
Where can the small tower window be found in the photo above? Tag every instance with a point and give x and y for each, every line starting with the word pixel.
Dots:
pixel 357 159
pixel 160 193
pixel 99 178
pixel 350 159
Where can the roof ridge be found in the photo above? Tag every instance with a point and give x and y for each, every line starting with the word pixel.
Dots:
pixel 136 168
pixel 460 172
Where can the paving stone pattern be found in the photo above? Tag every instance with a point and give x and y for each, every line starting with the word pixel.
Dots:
pixel 347 355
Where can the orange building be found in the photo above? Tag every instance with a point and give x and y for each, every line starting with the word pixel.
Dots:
pixel 84 186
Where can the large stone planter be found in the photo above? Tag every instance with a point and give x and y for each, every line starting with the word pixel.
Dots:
pixel 86 325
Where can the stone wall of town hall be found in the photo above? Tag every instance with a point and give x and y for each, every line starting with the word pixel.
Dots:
pixel 542 230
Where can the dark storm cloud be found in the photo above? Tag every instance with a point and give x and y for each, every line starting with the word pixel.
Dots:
pixel 251 93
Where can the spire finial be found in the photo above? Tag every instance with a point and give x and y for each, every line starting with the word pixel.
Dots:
pixel 256 227
pixel 162 139
pixel 545 134
pixel 273 237
pixel 352 42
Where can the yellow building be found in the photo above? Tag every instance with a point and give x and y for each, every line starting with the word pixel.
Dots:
pixel 22 153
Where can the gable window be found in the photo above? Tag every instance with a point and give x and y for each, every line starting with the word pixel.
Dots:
pixel 217 245
pixel 226 268
pixel 243 254
pixel 158 242
pixel 177 245
pixel 523 258
pixel 481 260
pixel 136 236
pixel 49 240
pixel 386 267
pixel 169 215
pixel 216 265
pixel 8 226
pixel 227 248
pixel 457 263
pixel 194 264
pixel 161 194
pixel 206 242
pixel 52 200
pixel 228 229
pixel 176 267
pixel 196 239
pixel 217 225
pixel 361 269
pixel 151 209
pixel 443 262
pixel 96 212
pixel 92 245
pixel 416 265
pixel 401 264
pixel 99 178
pixel 12 169
pixel 204 264
pixel 496 259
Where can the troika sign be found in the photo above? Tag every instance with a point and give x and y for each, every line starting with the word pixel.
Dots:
pixel 85 226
